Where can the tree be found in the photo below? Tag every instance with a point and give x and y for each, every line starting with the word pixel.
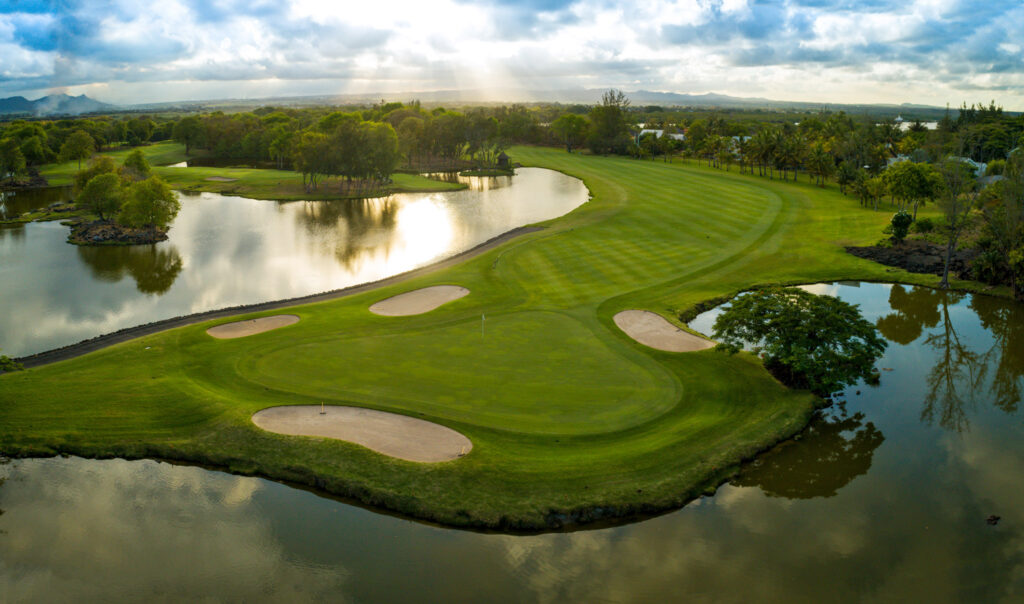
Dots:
pixel 135 166
pixel 101 164
pixel 608 130
pixel 34 151
pixel 819 343
pixel 149 204
pixel 571 129
pixel 12 161
pixel 1003 233
pixel 410 138
pixel 846 175
pixel 381 152
pixel 189 132
pixel 102 195
pixel 78 145
pixel 309 157
pixel 820 164
pixel 912 183
pixel 959 193
pixel 140 130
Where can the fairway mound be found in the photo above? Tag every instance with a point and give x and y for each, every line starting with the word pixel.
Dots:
pixel 418 301
pixel 221 179
pixel 387 433
pixel 240 329
pixel 651 329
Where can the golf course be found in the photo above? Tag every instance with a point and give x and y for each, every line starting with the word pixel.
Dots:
pixel 571 420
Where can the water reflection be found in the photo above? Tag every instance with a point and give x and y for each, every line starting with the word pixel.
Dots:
pixel 966 366
pixel 226 251
pixel 957 375
pixel 154 269
pixel 1006 356
pixel 110 529
pixel 914 310
pixel 841 515
pixel 14 203
pixel 836 448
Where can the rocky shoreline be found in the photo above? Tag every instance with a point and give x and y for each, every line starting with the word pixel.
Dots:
pixel 104 232
pixel 918 256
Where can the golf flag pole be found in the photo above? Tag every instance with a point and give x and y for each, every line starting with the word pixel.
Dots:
pixel 481 325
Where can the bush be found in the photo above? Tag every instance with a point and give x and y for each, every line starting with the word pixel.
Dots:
pixel 9 364
pixel 901 222
pixel 925 225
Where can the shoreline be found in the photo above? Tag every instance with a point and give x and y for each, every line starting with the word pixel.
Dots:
pixel 127 334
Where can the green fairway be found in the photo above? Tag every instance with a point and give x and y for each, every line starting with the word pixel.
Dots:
pixel 567 415
pixel 283 185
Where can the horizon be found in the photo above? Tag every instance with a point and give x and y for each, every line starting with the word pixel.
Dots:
pixel 930 52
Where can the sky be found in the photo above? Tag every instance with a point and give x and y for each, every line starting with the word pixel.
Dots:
pixel 830 51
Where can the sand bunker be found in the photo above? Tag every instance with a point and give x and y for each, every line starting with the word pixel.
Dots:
pixel 651 329
pixel 221 179
pixel 240 329
pixel 418 301
pixel 388 433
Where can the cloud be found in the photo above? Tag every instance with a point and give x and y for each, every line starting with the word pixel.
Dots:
pixel 941 50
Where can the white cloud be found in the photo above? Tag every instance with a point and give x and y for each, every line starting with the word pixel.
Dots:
pixel 940 50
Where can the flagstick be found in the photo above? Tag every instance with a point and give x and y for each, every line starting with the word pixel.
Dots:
pixel 322 410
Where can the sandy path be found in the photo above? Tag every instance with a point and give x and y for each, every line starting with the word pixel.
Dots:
pixel 418 301
pixel 240 329
pixel 388 433
pixel 651 329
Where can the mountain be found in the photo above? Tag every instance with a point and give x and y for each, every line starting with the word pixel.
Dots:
pixel 501 96
pixel 54 104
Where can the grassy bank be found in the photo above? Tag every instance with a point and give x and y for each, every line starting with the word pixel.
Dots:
pixel 283 185
pixel 571 420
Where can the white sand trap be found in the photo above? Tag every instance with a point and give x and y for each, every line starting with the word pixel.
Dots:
pixel 240 329
pixel 388 433
pixel 651 329
pixel 418 301
pixel 221 179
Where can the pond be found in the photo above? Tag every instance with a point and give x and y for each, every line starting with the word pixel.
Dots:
pixel 884 497
pixel 14 203
pixel 225 251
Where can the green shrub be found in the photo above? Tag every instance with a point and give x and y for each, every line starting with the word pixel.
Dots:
pixel 901 222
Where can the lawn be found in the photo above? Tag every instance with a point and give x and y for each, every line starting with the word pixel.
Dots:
pixel 570 419
pixel 283 185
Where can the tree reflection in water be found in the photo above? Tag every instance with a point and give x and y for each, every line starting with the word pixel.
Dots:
pixel 368 225
pixel 154 268
pixel 1005 321
pixel 833 450
pixel 961 371
pixel 957 376
pixel 915 310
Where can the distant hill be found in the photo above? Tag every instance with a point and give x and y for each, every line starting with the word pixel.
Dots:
pixel 54 104
pixel 639 98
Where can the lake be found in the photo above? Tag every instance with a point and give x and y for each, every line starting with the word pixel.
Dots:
pixel 226 251
pixel 884 497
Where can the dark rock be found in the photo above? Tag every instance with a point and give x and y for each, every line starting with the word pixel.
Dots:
pixel 917 256
pixel 103 232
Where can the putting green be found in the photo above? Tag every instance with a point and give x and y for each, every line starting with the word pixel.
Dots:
pixel 569 382
pixel 570 419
